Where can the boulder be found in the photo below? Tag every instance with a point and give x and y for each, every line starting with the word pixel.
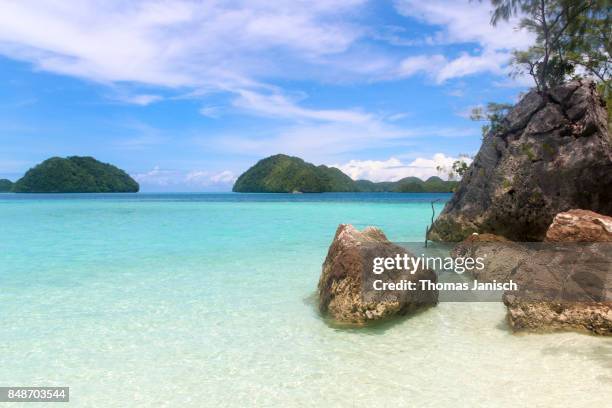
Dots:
pixel 563 287
pixel 552 153
pixel 566 282
pixel 345 286
pixel 500 256
pixel 580 226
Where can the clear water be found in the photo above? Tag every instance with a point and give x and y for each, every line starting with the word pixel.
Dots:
pixel 206 300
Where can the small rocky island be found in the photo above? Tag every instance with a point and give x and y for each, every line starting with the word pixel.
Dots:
pixel 75 174
pixel 5 185
pixel 286 174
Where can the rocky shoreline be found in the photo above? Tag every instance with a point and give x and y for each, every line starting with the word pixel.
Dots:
pixel 535 203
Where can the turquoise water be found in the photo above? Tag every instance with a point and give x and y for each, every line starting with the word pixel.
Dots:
pixel 206 300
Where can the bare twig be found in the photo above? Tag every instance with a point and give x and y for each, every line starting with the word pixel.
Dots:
pixel 433 215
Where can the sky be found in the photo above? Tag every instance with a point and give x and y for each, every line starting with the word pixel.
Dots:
pixel 186 95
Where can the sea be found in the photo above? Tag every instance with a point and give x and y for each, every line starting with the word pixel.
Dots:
pixel 208 300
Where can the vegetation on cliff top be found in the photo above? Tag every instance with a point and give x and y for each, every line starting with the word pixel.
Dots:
pixel 571 41
pixel 568 35
pixel 5 185
pixel 75 174
pixel 285 174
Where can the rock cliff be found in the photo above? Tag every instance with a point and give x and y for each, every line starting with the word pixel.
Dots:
pixel 552 153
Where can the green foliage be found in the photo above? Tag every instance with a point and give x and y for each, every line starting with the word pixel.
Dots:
pixel 286 174
pixel 75 175
pixel 460 167
pixel 494 113
pixel 527 149
pixel 436 184
pixel 550 150
pixel 589 43
pixel 457 169
pixel 410 187
pixel 5 185
pixel 606 92
pixel 367 186
pixel 569 33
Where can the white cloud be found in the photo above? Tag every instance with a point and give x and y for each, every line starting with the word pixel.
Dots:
pixel 231 46
pixel 192 179
pixel 174 43
pixel 313 141
pixel 142 100
pixel 225 176
pixel 457 92
pixel 320 142
pixel 465 21
pixel 277 105
pixel 197 176
pixel 202 47
pixel 462 22
pixel 206 178
pixel 398 116
pixel 156 176
pixel 421 63
pixel 440 69
pixel 467 65
pixel 394 169
pixel 210 111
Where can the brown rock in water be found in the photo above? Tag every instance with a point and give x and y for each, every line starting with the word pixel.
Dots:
pixel 566 283
pixel 500 256
pixel 563 287
pixel 552 153
pixel 580 226
pixel 345 284
pixel 540 316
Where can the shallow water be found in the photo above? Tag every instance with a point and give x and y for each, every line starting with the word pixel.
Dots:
pixel 206 300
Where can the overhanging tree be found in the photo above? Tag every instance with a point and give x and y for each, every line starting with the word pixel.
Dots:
pixel 569 33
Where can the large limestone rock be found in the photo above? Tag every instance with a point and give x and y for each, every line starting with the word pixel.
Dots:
pixel 566 282
pixel 580 226
pixel 563 288
pixel 554 153
pixel 344 288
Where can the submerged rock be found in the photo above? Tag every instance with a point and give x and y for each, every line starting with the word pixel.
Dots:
pixel 580 226
pixel 553 153
pixel 344 286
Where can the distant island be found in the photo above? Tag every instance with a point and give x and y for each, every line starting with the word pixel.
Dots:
pixel 286 174
pixel 5 185
pixel 73 174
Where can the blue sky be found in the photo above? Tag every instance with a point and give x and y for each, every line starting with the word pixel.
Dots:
pixel 186 95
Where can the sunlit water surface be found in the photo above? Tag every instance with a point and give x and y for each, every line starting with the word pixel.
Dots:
pixel 207 300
